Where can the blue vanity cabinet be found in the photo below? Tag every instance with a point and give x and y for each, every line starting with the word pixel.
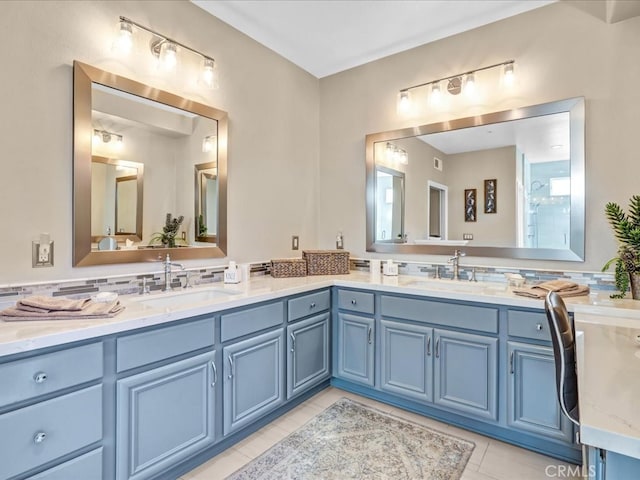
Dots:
pixel 532 400
pixel 253 379
pixel 466 372
pixel 406 360
pixel 307 353
pixel 51 409
pixel 355 337
pixel 532 403
pixel 164 415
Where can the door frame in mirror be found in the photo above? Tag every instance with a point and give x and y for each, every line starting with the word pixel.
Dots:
pixel 83 77
pixel 575 252
pixel 200 207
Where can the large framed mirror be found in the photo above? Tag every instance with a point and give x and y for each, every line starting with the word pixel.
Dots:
pixel 123 128
pixel 505 184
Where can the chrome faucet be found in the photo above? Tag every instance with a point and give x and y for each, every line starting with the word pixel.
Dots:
pixel 455 261
pixel 167 272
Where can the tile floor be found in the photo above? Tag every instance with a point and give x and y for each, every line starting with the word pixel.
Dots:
pixel 491 459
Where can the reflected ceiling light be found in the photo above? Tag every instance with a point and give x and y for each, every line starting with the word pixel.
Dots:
pixel 395 154
pixel 106 137
pixel 124 38
pixel 209 143
pixel 454 84
pixel 166 50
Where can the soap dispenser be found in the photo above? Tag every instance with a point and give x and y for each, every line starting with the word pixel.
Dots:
pixel 390 269
pixel 232 274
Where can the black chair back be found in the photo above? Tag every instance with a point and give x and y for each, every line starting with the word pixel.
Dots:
pixel 564 351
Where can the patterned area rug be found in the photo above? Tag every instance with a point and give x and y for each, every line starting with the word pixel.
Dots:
pixel 352 441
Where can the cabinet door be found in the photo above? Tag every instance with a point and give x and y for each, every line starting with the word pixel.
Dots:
pixel 465 373
pixel 164 415
pixel 253 379
pixel 531 390
pixel 356 348
pixel 308 347
pixel 406 360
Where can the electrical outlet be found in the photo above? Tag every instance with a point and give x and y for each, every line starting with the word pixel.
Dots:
pixel 42 254
pixel 467 236
pixel 295 242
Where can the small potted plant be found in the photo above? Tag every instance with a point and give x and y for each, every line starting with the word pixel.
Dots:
pixel 626 228
pixel 169 232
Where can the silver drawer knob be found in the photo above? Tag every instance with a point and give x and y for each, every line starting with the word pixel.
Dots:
pixel 39 437
pixel 312 305
pixel 538 326
pixel 353 302
pixel 40 377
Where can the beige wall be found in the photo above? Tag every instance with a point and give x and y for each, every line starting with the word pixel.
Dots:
pixel 560 52
pixel 469 170
pixel 273 127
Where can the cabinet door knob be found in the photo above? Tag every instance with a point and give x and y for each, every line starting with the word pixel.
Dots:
pixel 369 332
pixel 312 305
pixel 215 373
pixel 40 377
pixel 293 342
pixel 231 367
pixel 538 326
pixel 511 364
pixel 39 437
pixel 429 345
pixel 353 301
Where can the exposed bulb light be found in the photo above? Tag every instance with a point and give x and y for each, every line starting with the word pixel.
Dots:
pixel 403 158
pixel 124 38
pixel 119 146
pixel 166 50
pixel 168 56
pixel 509 74
pixel 404 101
pixel 390 152
pixel 103 136
pixel 470 84
pixel 394 154
pixel 436 93
pixel 209 75
pixel 208 143
pixel 97 137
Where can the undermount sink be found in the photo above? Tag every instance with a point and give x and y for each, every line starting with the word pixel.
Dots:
pixel 458 286
pixel 171 301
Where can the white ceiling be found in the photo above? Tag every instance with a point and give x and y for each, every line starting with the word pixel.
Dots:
pixel 328 36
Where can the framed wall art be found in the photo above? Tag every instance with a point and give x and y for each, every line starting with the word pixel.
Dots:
pixel 490 196
pixel 470 205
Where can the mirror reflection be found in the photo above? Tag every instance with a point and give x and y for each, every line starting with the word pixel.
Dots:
pixel 505 184
pixel 122 128
pixel 206 198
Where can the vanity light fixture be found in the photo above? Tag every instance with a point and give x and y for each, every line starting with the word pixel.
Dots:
pixel 165 50
pixel 395 154
pixel 106 137
pixel 455 84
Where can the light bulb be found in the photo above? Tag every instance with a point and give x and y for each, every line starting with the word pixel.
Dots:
pixel 390 153
pixel 208 143
pixel 403 158
pixel 209 75
pixel 119 146
pixel 404 101
pixel 97 138
pixel 168 55
pixel 509 74
pixel 470 84
pixel 124 38
pixel 436 94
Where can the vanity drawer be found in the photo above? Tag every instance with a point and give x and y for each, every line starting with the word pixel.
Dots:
pixel 166 342
pixel 42 432
pixel 355 301
pixel 238 324
pixel 528 325
pixel 49 372
pixel 87 466
pixel 471 317
pixel 309 304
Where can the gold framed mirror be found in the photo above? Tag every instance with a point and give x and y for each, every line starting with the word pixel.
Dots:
pixel 118 111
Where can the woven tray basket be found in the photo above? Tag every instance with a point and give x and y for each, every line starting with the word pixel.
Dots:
pixel 326 262
pixel 288 267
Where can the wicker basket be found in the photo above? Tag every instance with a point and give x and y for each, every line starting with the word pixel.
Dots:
pixel 326 262
pixel 288 267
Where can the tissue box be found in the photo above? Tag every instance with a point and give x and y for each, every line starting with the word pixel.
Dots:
pixel 288 267
pixel 326 262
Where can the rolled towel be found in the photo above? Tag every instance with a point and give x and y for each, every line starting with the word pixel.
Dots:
pixel 49 304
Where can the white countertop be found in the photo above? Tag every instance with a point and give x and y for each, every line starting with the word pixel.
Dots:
pixel 25 336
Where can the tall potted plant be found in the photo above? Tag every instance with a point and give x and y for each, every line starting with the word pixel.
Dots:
pixel 626 228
